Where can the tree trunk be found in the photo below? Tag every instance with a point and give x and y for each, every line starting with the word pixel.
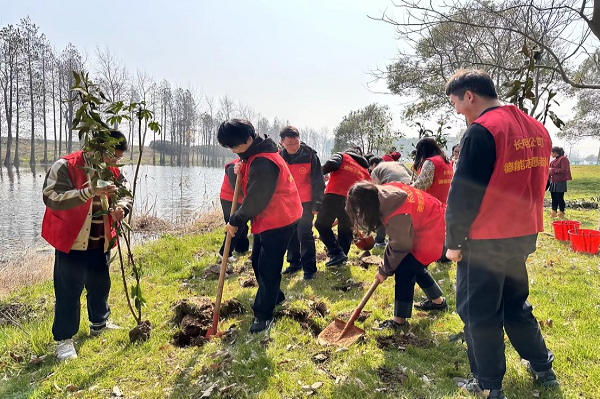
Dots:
pixel 8 107
pixel 45 157
pixel 32 110
pixel 16 161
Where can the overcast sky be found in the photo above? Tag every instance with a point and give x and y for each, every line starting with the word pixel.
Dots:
pixel 306 61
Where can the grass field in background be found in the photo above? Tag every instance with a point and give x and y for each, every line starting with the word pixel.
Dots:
pixel 564 290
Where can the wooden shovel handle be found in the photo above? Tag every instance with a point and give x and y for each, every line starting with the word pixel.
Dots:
pixel 360 307
pixel 223 270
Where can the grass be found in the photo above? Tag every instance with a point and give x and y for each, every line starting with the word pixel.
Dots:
pixel 563 287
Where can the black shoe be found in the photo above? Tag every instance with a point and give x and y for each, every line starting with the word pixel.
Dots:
pixel 280 299
pixel 546 378
pixel 428 306
pixel 472 386
pixel 259 325
pixel 337 260
pixel 310 276
pixel 392 325
pixel 291 269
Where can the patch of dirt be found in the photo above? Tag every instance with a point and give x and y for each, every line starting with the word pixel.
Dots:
pixel 303 317
pixel 392 378
pixel 319 307
pixel 14 312
pixel 321 256
pixel 194 317
pixel 248 282
pixel 402 340
pixel 364 315
pixel 141 332
pixel 244 267
pixel 373 260
pixel 348 285
pixel 212 272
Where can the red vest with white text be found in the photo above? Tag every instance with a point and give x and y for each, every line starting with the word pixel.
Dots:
pixel 442 177
pixel 285 207
pixel 302 177
pixel 348 173
pixel 61 228
pixel 226 191
pixel 513 202
pixel 429 226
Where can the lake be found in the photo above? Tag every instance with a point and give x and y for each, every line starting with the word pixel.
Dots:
pixel 175 194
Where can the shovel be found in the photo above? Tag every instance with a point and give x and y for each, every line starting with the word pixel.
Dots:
pixel 344 334
pixel 364 243
pixel 213 330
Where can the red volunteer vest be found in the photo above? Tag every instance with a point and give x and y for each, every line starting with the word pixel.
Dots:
pixel 226 191
pixel 303 179
pixel 513 202
pixel 61 228
pixel 429 227
pixel 442 177
pixel 285 207
pixel 349 173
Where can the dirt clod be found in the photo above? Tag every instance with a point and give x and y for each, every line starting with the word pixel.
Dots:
pixel 348 285
pixel 364 315
pixel 392 377
pixel 319 307
pixel 248 282
pixel 141 332
pixel 212 272
pixel 402 340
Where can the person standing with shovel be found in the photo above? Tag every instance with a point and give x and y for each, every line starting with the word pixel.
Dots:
pixel 414 221
pixel 272 202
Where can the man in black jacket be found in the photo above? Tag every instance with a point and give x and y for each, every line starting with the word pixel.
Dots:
pixel 305 166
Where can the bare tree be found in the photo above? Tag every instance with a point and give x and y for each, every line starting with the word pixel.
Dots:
pixel 9 42
pixel 112 76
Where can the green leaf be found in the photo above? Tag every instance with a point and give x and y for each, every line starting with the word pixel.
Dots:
pixel 100 213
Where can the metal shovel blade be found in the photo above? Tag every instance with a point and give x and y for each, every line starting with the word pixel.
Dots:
pixel 332 334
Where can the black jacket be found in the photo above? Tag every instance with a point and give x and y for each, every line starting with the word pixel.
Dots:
pixel 262 181
pixel 306 155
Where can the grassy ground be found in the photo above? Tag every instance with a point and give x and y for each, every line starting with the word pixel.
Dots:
pixel 563 290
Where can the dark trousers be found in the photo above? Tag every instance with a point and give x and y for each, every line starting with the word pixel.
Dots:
pixel 240 242
pixel 301 249
pixel 72 273
pixel 558 201
pixel 408 272
pixel 268 251
pixel 334 207
pixel 380 235
pixel 491 294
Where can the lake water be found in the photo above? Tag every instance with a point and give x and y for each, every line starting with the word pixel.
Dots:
pixel 171 193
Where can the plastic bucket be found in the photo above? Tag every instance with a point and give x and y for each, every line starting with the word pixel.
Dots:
pixel 585 240
pixel 562 227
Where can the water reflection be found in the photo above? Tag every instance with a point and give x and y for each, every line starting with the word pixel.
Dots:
pixel 171 193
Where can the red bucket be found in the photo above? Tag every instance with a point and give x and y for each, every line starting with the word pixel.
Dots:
pixel 585 240
pixel 562 227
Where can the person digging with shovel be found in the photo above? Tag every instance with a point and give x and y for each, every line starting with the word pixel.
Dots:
pixel 414 221
pixel 272 202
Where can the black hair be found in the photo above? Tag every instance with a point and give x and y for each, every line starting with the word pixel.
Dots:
pixel 289 131
pixel 559 150
pixel 474 80
pixel 362 206
pixel 375 161
pixel 122 144
pixel 455 146
pixel 355 150
pixel 369 156
pixel 234 132
pixel 427 147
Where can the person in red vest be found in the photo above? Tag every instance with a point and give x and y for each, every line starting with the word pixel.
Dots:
pixel 82 252
pixel 560 173
pixel 344 169
pixel 272 202
pixel 305 166
pixel 434 169
pixel 393 156
pixel 239 243
pixel 414 221
pixel 494 214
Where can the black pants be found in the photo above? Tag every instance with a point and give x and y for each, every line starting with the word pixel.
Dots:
pixel 239 243
pixel 408 272
pixel 558 201
pixel 380 235
pixel 72 273
pixel 491 295
pixel 334 207
pixel 268 251
pixel 301 249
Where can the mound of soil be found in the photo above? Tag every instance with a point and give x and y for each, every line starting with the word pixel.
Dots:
pixel 401 340
pixel 392 377
pixel 248 282
pixel 364 315
pixel 319 307
pixel 348 285
pixel 212 272
pixel 141 332
pixel 194 317
pixel 303 317
pixel 373 260
pixel 14 312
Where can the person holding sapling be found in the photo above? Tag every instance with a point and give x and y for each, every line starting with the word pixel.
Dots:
pixel 272 202
pixel 81 234
pixel 414 221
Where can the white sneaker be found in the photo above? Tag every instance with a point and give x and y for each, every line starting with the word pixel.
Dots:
pixel 65 350
pixel 231 259
pixel 95 331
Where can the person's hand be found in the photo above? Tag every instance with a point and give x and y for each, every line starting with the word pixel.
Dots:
pixel 117 213
pixel 237 168
pixel 455 255
pixel 108 190
pixel 380 277
pixel 230 230
pixel 315 212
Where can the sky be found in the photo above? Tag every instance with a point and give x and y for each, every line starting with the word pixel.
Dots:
pixel 304 61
